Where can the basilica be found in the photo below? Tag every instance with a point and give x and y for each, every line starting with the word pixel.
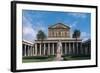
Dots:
pixel 58 32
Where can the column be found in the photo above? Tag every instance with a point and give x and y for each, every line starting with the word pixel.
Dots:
pixel 44 47
pixel 73 48
pixel 81 48
pixel 69 48
pixel 28 50
pixel 35 48
pixel 62 49
pixel 54 34
pixel 65 49
pixel 48 48
pixel 24 50
pixel 52 48
pixel 31 51
pixel 77 47
pixel 51 33
pixel 40 49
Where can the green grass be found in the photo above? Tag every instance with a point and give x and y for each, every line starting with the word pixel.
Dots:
pixel 76 57
pixel 35 57
pixel 30 59
pixel 38 59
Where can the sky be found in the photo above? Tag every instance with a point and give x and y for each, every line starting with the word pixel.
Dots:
pixel 35 20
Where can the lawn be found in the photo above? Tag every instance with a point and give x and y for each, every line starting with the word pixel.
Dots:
pixel 38 59
pixel 81 57
pixel 30 59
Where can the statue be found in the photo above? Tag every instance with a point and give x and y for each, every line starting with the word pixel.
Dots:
pixel 59 48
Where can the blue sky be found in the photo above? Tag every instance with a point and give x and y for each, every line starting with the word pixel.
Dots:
pixel 33 21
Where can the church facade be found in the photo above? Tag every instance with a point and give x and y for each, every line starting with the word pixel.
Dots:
pixel 56 33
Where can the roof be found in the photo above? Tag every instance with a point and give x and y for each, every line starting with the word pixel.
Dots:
pixel 59 24
pixel 27 42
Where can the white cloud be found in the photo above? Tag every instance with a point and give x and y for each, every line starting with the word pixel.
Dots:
pixel 85 36
pixel 27 30
pixel 30 31
pixel 74 24
pixel 80 15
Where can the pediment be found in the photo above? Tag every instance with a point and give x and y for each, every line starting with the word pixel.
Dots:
pixel 59 25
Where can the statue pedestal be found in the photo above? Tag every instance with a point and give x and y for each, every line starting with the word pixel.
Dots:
pixel 58 57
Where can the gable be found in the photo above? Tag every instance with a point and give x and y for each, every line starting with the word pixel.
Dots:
pixel 59 25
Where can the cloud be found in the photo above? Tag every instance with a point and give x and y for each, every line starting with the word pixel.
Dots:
pixel 30 30
pixel 29 33
pixel 74 24
pixel 79 15
pixel 85 36
pixel 33 15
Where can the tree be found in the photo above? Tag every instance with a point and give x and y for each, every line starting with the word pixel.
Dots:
pixel 76 35
pixel 41 36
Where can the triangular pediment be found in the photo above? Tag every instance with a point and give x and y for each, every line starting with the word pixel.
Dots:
pixel 59 25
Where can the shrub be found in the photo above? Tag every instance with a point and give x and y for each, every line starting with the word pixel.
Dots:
pixel 35 57
pixel 51 56
pixel 65 58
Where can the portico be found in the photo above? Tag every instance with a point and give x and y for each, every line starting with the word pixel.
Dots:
pixel 49 47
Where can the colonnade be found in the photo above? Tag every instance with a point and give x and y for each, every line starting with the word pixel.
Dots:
pixel 42 49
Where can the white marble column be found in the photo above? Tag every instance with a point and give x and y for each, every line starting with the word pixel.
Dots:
pixel 77 47
pixel 52 48
pixel 24 50
pixel 65 49
pixel 44 48
pixel 81 48
pixel 69 48
pixel 31 51
pixel 73 48
pixel 28 50
pixel 35 48
pixel 40 49
pixel 48 48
